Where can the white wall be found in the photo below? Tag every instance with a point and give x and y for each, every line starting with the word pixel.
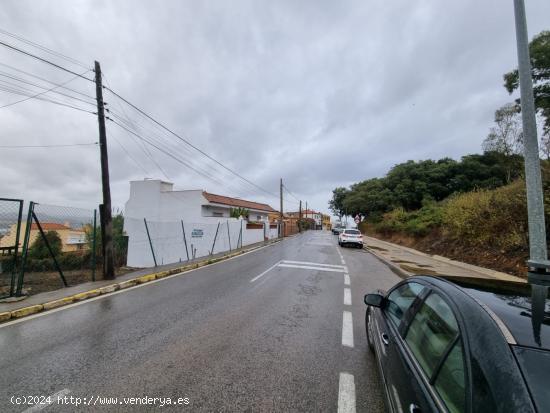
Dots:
pixel 164 211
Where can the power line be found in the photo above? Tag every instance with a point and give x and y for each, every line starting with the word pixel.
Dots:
pixel 43 60
pixel 44 48
pixel 22 93
pixel 9 76
pixel 47 80
pixel 189 143
pixel 39 94
pixel 47 146
pixel 165 152
pixel 140 145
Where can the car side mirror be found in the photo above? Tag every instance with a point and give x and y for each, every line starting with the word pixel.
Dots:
pixel 376 300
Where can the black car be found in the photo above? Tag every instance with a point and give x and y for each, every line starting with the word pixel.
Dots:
pixel 462 345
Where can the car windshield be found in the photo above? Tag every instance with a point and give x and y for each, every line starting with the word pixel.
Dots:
pixel 352 231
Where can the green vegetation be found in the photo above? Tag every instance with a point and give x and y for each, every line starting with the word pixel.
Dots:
pixel 539 51
pixel 412 185
pixel 238 212
pixel 38 249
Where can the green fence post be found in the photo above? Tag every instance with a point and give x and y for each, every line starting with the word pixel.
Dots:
pixel 150 242
pixel 94 235
pixel 215 236
pixel 228 236
pixel 43 234
pixel 14 269
pixel 24 251
pixel 185 240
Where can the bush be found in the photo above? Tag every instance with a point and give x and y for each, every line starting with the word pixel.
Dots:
pixel 416 223
pixel 39 250
pixel 489 217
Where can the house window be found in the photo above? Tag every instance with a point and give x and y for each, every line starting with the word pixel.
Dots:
pixel 258 217
pixel 217 214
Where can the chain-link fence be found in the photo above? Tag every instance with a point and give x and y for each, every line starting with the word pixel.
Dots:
pixel 11 211
pixel 152 243
pixel 57 248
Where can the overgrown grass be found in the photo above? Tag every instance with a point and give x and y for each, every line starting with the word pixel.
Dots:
pixel 496 218
pixel 416 223
pixel 486 218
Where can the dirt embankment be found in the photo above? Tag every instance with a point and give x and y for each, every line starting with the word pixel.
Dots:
pixel 511 262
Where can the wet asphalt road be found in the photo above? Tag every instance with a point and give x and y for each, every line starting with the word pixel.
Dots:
pixel 212 335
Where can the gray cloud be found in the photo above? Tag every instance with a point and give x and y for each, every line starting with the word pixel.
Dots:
pixel 322 94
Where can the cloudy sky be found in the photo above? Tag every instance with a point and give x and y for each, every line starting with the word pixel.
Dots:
pixel 320 93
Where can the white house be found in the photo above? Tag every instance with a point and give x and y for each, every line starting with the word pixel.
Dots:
pixel 187 224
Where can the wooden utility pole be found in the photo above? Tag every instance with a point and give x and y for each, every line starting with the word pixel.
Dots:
pixel 106 219
pixel 281 229
pixel 300 218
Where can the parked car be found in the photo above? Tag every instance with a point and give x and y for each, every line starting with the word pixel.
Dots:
pixel 466 345
pixel 337 230
pixel 351 237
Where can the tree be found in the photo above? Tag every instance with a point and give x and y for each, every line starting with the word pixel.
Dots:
pixel 238 212
pixel 336 204
pixel 539 51
pixel 506 137
pixel 38 249
pixel 120 240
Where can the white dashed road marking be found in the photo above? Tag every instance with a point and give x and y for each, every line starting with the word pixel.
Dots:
pixel 346 393
pixel 347 330
pixel 346 279
pixel 347 296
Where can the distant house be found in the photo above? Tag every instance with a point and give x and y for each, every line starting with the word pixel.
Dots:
pixel 72 239
pixel 157 201
pixel 186 224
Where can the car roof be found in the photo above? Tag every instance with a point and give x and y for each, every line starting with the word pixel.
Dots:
pixel 524 308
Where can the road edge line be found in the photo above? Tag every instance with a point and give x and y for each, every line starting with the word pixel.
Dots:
pixel 9 317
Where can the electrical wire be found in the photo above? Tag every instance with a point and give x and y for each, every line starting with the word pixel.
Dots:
pixel 9 76
pixel 140 145
pixel 171 155
pixel 189 143
pixel 47 80
pixel 47 146
pixel 39 94
pixel 44 48
pixel 21 93
pixel 44 60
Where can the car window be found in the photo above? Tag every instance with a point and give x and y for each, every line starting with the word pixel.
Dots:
pixel 400 299
pixel 351 231
pixel 450 381
pixel 431 332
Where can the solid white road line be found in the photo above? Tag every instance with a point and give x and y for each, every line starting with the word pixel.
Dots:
pixel 52 399
pixel 309 267
pixel 311 263
pixel 346 279
pixel 347 296
pixel 265 272
pixel 347 330
pixel 346 393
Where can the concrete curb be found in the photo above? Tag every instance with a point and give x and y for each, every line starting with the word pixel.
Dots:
pixel 143 279
pixel 395 268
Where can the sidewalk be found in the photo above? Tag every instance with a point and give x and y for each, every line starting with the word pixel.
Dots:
pixel 407 262
pixel 64 296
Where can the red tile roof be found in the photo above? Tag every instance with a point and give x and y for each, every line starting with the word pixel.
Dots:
pixel 49 226
pixel 234 202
